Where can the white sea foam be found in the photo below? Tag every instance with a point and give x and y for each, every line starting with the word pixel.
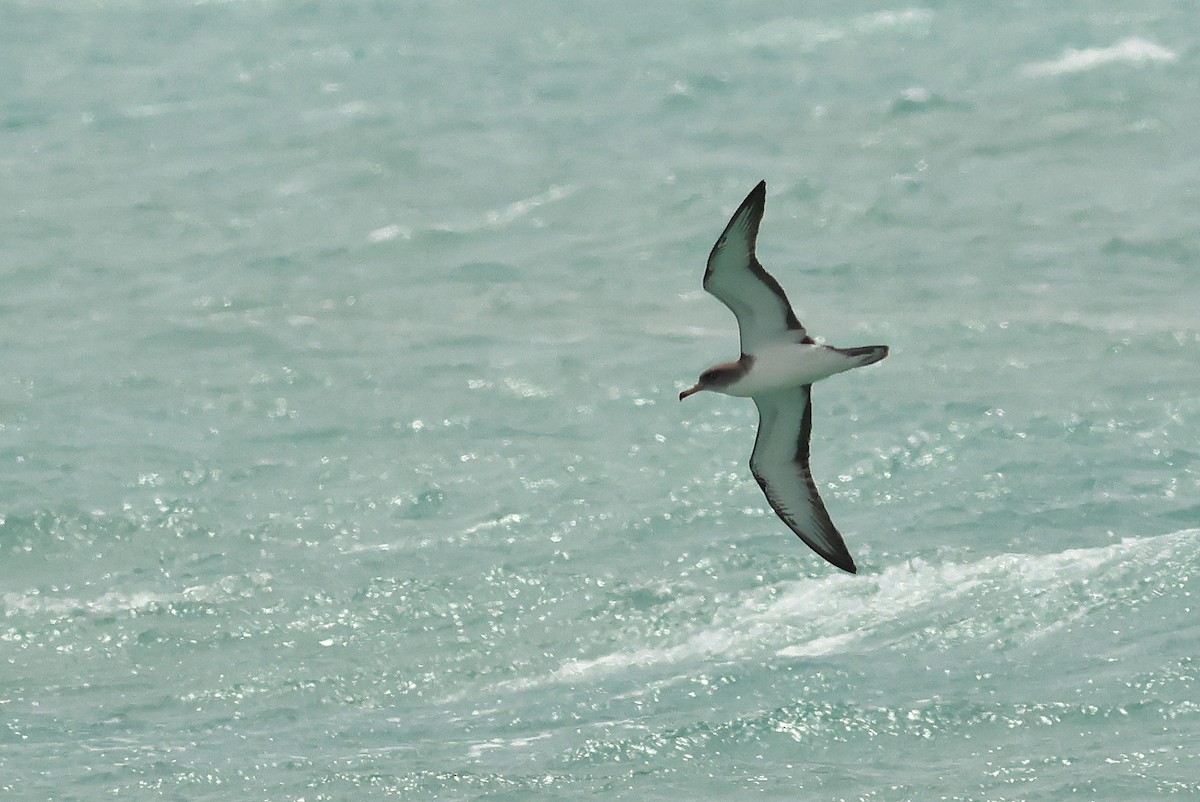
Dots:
pixel 1024 597
pixel 477 750
pixel 1134 50
pixel 520 208
pixel 805 34
pixel 38 604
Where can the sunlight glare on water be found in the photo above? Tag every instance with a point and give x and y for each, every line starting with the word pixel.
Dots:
pixel 341 450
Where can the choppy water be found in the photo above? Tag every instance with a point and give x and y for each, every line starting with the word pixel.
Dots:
pixel 339 449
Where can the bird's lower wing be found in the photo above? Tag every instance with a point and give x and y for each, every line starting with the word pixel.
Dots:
pixel 779 463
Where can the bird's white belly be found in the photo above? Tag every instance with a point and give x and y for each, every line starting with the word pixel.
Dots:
pixel 788 365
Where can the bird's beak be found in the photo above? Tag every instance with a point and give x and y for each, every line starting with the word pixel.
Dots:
pixel 690 391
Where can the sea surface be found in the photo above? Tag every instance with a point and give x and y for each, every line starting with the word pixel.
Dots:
pixel 340 455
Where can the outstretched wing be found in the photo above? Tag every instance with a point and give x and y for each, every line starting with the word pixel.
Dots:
pixel 780 464
pixel 736 278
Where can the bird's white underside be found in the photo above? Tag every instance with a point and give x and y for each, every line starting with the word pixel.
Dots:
pixel 788 365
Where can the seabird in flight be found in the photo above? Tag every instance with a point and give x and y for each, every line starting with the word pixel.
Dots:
pixel 777 368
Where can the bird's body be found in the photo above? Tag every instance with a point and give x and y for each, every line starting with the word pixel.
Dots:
pixel 777 368
pixel 787 365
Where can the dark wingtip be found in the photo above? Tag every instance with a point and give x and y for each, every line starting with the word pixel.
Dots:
pixel 756 199
pixel 759 193
pixel 752 207
pixel 843 561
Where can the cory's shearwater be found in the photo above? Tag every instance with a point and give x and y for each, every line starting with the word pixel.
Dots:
pixel 777 368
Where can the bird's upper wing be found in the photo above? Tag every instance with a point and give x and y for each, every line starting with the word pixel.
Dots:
pixel 780 464
pixel 736 278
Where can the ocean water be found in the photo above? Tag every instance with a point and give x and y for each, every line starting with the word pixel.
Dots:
pixel 340 455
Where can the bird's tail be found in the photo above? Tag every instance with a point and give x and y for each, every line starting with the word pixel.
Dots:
pixel 864 355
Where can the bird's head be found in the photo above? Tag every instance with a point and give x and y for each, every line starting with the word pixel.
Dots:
pixel 718 377
pixel 695 388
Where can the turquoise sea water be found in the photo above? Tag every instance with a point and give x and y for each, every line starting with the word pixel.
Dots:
pixel 340 455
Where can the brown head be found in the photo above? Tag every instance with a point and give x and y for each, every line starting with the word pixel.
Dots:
pixel 719 376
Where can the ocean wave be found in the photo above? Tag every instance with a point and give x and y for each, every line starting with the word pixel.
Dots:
pixel 1001 601
pixel 1133 50
pixel 805 34
pixel 39 605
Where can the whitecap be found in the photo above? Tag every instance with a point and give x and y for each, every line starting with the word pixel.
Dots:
pixel 520 208
pixel 1010 598
pixel 1134 50
pixel 806 34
